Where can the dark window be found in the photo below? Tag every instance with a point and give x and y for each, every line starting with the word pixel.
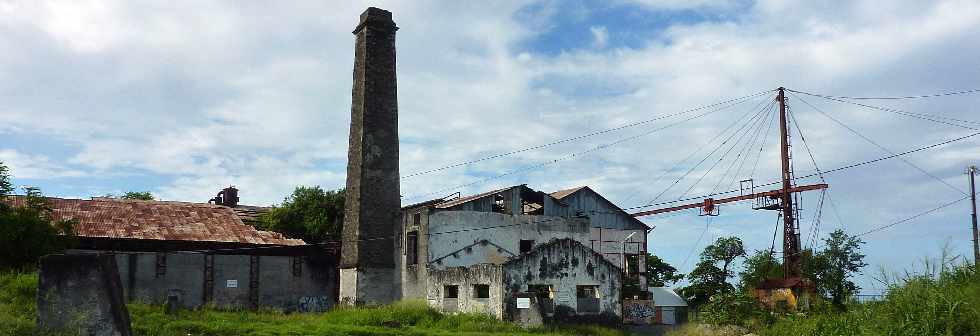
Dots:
pixel 584 292
pixel 481 291
pixel 450 291
pixel 587 298
pixel 526 245
pixel 417 218
pixel 499 204
pixel 412 247
pixel 632 264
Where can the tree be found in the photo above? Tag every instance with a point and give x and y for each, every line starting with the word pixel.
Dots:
pixel 27 231
pixel 309 213
pixel 660 273
pixel 6 187
pixel 759 267
pixel 708 278
pixel 833 267
pixel 138 195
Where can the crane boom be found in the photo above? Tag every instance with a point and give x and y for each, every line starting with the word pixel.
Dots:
pixel 771 193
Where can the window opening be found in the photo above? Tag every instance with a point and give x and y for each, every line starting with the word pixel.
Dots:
pixel 450 291
pixel 526 245
pixel 412 247
pixel 481 291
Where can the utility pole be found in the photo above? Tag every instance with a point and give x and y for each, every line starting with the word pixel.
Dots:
pixel 791 239
pixel 972 170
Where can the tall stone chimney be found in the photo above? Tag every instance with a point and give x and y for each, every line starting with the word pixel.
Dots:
pixel 372 211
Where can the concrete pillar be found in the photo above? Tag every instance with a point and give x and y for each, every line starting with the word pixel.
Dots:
pixel 372 211
pixel 81 294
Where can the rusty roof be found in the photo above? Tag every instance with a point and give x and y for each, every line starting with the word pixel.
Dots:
pixel 250 214
pixel 159 220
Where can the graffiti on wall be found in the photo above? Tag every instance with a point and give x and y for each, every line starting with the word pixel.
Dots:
pixel 313 304
pixel 638 311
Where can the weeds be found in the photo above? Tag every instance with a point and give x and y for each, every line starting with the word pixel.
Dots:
pixel 17 317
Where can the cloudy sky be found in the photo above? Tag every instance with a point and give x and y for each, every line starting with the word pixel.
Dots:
pixel 181 100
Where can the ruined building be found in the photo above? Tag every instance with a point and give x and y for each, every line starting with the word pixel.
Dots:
pixel 201 253
pixel 572 249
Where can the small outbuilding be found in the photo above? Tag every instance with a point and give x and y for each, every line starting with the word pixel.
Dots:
pixel 670 308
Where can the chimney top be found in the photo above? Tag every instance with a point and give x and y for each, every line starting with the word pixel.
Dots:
pixel 376 18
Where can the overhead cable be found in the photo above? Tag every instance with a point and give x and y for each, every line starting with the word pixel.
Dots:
pixel 824 172
pixel 633 124
pixel 573 155
pixel 865 138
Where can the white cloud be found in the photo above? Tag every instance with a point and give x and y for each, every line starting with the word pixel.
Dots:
pixel 258 97
pixel 600 36
pixel 27 166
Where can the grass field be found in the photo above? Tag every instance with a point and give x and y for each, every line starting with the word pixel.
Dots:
pixel 17 317
pixel 945 302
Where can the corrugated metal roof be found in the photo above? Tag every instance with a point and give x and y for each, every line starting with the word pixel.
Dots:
pixel 465 199
pixel 159 220
pixel 565 192
pixel 665 297
pixel 250 214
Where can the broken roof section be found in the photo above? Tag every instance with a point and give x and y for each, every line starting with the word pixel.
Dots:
pixel 521 200
pixel 159 220
pixel 466 199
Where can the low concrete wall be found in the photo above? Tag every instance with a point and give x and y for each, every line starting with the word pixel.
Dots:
pixel 464 278
pixel 81 295
pixel 289 283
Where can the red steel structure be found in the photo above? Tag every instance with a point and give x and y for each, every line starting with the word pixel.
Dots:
pixel 792 257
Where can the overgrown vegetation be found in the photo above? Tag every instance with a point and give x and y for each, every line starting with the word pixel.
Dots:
pixel 27 231
pixel 17 317
pixel 710 276
pixel 947 303
pixel 309 213
pixel 17 303
pixel 941 299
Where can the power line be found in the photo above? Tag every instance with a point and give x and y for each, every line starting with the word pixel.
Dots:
pixel 573 155
pixel 689 156
pixel 697 243
pixel 912 217
pixel 689 171
pixel 904 220
pixel 723 156
pixel 825 172
pixel 862 136
pixel 923 116
pixel 495 156
pixel 910 97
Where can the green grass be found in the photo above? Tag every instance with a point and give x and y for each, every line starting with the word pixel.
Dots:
pixel 17 317
pixel 944 302
pixel 17 303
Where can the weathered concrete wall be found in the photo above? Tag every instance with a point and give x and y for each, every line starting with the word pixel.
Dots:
pixel 143 281
pixel 231 280
pixel 464 278
pixel 565 264
pixel 451 231
pixel 289 283
pixel 82 295
pixel 414 276
pixel 480 252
